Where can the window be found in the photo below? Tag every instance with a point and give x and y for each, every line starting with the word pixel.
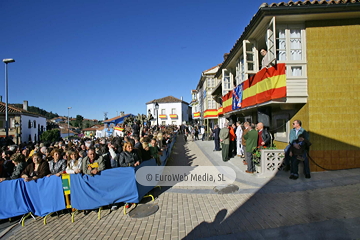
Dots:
pixel 289 42
pixel 271 41
pixel 250 53
pixel 226 86
pixel 163 122
pixel 163 111
pixel 173 111
pixel 34 124
pixel 211 104
pixel 210 82
pixel 240 71
pixel 173 122
pixel 29 124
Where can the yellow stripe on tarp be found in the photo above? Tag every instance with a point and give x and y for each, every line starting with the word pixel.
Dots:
pixel 265 85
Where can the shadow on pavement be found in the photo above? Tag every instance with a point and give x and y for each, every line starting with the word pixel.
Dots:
pixel 323 207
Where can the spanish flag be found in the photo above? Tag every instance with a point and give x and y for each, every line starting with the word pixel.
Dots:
pixel 267 84
pixel 227 102
pixel 119 129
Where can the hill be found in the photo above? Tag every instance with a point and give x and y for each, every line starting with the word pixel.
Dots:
pixel 36 110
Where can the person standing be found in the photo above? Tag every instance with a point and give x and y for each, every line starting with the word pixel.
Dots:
pixel 246 129
pixel 239 133
pixel 224 139
pixel 232 137
pixel 264 138
pixel 216 132
pixel 265 60
pixel 202 130
pixel 294 134
pixel 251 138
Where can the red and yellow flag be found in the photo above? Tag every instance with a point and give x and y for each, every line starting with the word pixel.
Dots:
pixel 267 84
pixel 227 102
pixel 119 129
pixel 210 113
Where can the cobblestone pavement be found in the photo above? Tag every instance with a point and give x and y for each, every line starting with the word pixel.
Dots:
pixel 323 207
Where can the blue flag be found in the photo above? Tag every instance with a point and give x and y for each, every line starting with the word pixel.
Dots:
pixel 237 97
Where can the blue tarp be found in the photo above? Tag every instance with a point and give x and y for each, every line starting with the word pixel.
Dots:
pixel 13 201
pixel 45 195
pixel 110 186
pixel 40 197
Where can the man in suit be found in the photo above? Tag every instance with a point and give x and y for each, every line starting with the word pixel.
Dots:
pixel 246 129
pixel 225 141
pixel 216 132
pixel 251 138
pixel 264 138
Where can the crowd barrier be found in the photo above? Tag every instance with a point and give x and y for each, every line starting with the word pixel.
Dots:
pixel 46 195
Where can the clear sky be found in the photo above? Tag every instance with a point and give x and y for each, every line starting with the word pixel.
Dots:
pixel 101 56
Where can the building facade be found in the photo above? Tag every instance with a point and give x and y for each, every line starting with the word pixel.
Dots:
pixel 23 126
pixel 205 108
pixel 311 74
pixel 172 111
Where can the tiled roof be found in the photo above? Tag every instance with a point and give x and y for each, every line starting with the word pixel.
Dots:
pixel 168 99
pixel 280 6
pixel 212 68
pixel 12 109
pixel 117 117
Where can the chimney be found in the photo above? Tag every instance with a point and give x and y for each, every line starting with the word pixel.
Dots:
pixel 122 114
pixel 0 98
pixel 181 98
pixel 25 105
pixel 226 56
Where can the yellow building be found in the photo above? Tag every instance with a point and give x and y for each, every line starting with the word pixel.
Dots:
pixel 317 42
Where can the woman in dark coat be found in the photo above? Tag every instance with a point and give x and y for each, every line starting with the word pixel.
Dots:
pixel 128 157
pixel 37 169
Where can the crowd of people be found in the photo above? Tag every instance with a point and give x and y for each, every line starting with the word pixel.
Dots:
pixel 243 140
pixel 85 156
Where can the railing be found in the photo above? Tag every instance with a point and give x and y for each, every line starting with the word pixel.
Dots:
pixel 271 162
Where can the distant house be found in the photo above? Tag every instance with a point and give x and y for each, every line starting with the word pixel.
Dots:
pixel 110 124
pixel 171 111
pixel 58 119
pixel 24 126
pixel 64 133
pixel 91 132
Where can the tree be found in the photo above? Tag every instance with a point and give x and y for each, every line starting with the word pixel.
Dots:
pixel 79 121
pixel 50 135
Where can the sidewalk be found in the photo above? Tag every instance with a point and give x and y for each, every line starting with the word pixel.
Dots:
pixel 323 207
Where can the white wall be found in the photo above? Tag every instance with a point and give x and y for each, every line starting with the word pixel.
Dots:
pixel 34 132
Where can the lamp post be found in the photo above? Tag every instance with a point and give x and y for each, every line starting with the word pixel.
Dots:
pixel 68 121
pixel 6 61
pixel 17 125
pixel 157 114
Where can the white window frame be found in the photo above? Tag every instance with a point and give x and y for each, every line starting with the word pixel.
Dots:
pixel 226 86
pixel 271 42
pixel 173 111
pixel 293 63
pixel 254 59
pixel 163 111
pixel 282 136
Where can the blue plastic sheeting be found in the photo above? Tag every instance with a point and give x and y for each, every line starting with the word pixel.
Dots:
pixel 12 199
pixel 40 197
pixel 110 186
pixel 143 190
pixel 46 195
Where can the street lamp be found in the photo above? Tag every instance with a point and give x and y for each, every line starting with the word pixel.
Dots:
pixel 157 114
pixel 17 125
pixel 68 122
pixel 6 61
